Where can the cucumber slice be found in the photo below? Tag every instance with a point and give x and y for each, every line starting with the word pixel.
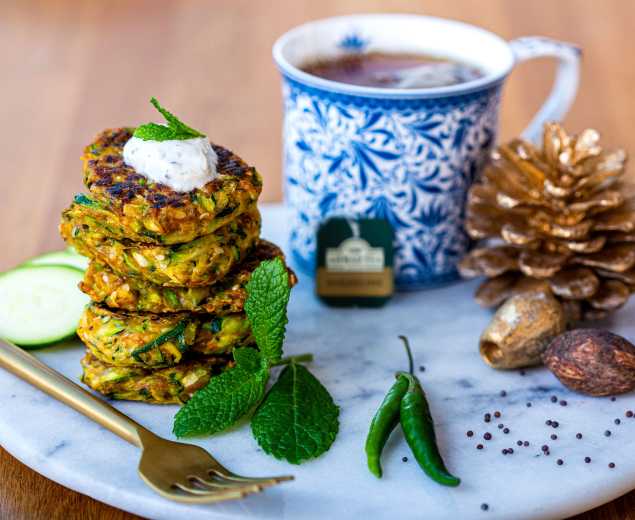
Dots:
pixel 40 304
pixel 60 258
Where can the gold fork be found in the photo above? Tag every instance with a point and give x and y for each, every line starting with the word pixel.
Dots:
pixel 180 472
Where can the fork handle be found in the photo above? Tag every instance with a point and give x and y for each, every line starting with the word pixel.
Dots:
pixel 32 370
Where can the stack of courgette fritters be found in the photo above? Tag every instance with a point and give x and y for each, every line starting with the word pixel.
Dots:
pixel 167 274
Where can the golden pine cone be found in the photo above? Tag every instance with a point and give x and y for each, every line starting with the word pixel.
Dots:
pixel 558 219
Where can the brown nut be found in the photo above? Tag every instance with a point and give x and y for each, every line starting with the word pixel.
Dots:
pixel 592 361
pixel 521 330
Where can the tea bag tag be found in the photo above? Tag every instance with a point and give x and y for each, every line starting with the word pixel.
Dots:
pixel 355 262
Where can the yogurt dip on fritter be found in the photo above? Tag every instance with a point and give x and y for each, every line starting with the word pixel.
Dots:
pixel 183 165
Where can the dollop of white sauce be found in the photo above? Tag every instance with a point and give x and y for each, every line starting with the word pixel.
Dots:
pixel 183 165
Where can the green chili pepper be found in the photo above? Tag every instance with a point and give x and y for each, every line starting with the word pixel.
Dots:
pixel 418 428
pixel 384 422
pixel 406 403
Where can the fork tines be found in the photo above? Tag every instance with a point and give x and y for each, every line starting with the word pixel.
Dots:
pixel 219 486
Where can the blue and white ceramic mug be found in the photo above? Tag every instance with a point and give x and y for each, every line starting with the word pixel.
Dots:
pixel 408 156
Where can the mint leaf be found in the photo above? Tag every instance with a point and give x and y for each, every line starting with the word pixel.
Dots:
pixel 174 122
pixel 298 419
pixel 235 392
pixel 155 132
pixel 175 129
pixel 226 398
pixel 266 307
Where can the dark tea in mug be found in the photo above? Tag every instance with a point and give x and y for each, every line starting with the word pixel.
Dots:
pixel 385 70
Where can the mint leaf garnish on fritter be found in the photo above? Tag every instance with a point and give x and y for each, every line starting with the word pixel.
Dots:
pixel 266 307
pixel 298 419
pixel 174 130
pixel 226 398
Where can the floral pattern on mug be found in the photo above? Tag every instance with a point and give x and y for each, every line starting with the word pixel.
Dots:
pixel 408 161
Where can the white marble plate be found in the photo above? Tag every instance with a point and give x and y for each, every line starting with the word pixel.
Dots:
pixel 357 353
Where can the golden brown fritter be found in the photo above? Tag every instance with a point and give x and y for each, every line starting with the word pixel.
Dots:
pixel 137 295
pixel 149 340
pixel 127 205
pixel 203 261
pixel 173 385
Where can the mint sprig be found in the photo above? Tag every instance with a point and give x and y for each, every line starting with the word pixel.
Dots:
pixel 174 130
pixel 266 307
pixel 298 419
pixel 226 398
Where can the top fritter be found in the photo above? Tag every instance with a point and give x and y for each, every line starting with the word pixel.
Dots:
pixel 128 205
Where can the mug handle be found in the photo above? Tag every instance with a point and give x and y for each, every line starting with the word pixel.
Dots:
pixel 565 85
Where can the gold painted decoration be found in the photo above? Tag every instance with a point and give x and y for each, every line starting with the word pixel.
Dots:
pixel 521 330
pixel 558 218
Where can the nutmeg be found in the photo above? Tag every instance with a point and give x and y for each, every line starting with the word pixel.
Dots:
pixel 592 361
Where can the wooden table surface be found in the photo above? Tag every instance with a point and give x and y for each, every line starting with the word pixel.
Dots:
pixel 71 68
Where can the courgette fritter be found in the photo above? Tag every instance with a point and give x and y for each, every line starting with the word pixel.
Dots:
pixel 129 206
pixel 173 385
pixel 225 297
pixel 149 340
pixel 203 261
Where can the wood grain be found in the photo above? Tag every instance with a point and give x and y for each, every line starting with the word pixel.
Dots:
pixel 25 495
pixel 71 68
